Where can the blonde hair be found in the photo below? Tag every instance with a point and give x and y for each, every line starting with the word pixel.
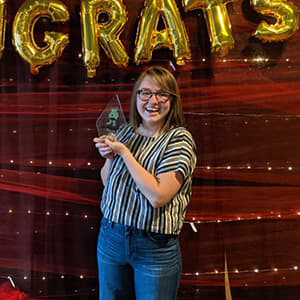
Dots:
pixel 167 83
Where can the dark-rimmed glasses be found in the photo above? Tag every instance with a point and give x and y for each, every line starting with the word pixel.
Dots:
pixel 146 95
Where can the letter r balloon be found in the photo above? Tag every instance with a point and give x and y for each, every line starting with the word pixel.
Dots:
pixel 106 34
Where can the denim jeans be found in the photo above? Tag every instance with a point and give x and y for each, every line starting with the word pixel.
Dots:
pixel 136 264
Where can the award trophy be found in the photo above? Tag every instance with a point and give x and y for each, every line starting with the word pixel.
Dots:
pixel 111 118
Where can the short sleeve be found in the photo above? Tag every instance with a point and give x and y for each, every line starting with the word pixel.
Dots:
pixel 179 155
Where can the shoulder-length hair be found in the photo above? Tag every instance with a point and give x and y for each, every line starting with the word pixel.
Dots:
pixel 167 83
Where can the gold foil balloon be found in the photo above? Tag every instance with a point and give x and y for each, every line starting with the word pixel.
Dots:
pixel 285 14
pixel 174 36
pixel 106 34
pixel 23 28
pixel 3 10
pixel 217 21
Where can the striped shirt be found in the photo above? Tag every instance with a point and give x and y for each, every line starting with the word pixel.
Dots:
pixel 122 201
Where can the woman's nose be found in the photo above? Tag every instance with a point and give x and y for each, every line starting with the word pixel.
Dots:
pixel 154 96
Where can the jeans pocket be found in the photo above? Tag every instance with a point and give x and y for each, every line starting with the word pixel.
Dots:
pixel 160 237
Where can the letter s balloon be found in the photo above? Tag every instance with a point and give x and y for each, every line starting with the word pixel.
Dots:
pixel 286 17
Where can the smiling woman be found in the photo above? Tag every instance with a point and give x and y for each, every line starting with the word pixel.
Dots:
pixel 147 176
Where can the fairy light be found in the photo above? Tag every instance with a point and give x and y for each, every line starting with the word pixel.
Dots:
pixel 31 162
pixel 29 211
pixel 295 268
pixel 256 270
pixel 89 163
pixel 290 168
pixel 69 164
pixel 14 131
pixel 275 269
pixel 48 213
pixel 258 217
pixel 11 161
pixel 269 168
pixel 228 167
pixel 203 59
pixel 25 277
pixel 81 276
pixel 66 213
pixel 50 162
pixel 85 216
pixel 279 215
pixel 43 278
pixel 208 167
pixel 10 211
pixel 236 271
pixel 62 276
pixel 216 271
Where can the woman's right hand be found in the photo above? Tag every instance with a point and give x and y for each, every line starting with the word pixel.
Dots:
pixel 104 149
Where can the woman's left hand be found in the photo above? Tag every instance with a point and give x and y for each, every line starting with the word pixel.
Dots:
pixel 117 147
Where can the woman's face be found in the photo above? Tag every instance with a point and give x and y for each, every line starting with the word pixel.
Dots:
pixel 153 112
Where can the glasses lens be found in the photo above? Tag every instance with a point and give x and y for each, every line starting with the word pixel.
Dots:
pixel 145 95
pixel 163 97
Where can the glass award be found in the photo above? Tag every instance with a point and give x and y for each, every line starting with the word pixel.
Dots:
pixel 111 118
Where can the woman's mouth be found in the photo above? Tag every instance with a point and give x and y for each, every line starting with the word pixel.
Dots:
pixel 151 109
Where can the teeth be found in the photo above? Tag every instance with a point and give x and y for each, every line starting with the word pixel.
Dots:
pixel 151 109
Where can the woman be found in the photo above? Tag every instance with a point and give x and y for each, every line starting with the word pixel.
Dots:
pixel 147 177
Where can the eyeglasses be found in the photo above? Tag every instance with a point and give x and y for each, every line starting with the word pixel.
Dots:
pixel 146 95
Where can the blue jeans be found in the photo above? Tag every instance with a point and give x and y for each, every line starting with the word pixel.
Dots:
pixel 136 264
